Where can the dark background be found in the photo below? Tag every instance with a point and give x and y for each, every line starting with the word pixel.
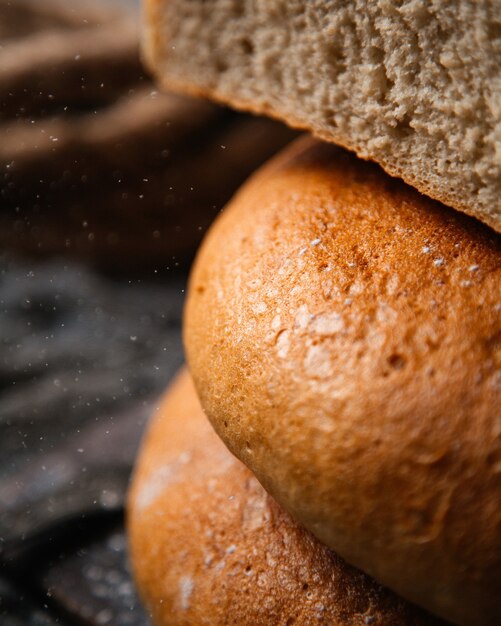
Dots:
pixel 85 354
pixel 96 238
pixel 84 359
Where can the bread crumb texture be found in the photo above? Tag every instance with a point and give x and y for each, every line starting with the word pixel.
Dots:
pixel 415 86
pixel 344 335
pixel 213 548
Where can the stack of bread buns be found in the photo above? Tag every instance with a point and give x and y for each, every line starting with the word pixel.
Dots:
pixel 343 337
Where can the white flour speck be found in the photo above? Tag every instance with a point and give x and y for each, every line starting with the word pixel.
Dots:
pixel 260 307
pixel 283 344
pixel 303 317
pixel 276 322
pixel 317 361
pixel 328 324
pixel 186 586
pixel 160 480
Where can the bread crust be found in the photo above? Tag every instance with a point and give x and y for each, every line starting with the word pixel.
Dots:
pixel 343 332
pixel 210 546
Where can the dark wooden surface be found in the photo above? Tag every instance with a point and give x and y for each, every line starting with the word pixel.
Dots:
pixel 84 359
pixel 107 175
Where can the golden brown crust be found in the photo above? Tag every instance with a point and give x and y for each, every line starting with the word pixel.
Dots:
pixel 209 546
pixel 344 336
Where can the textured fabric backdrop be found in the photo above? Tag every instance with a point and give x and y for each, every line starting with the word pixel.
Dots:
pixel 84 357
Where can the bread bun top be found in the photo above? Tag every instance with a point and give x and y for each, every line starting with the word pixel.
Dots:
pixel 344 335
pixel 210 546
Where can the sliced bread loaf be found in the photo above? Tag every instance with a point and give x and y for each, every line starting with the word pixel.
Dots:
pixel 415 86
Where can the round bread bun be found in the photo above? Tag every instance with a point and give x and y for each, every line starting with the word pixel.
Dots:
pixel 344 335
pixel 210 546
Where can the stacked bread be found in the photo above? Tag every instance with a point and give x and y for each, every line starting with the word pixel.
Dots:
pixel 343 334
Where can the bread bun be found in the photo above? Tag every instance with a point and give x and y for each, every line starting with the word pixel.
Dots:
pixel 209 546
pixel 343 333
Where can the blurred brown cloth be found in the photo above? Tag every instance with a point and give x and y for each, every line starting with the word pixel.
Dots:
pixel 94 161
pixel 95 165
